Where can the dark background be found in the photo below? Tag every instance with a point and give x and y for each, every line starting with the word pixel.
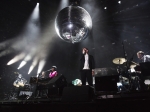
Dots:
pixel 127 23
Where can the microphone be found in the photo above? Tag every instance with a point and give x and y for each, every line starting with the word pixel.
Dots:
pixel 49 70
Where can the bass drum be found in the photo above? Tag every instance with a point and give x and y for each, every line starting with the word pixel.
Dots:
pixel 123 85
pixel 124 80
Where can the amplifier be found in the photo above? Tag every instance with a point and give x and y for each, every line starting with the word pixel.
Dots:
pixel 99 72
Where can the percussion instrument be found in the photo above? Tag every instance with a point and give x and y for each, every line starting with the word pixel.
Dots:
pixel 119 60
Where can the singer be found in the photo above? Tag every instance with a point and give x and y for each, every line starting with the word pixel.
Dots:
pixel 53 72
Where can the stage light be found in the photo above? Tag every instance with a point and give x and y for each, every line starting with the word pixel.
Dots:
pixel 70 25
pixel 5 52
pixel 74 21
pixel 119 2
pixel 40 67
pixel 34 63
pixel 119 84
pixel 22 64
pixel 16 58
pixel 77 82
pixel 105 7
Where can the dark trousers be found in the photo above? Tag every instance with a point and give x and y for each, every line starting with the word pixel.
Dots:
pixel 86 75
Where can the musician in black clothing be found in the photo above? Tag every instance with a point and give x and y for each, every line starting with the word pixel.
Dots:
pixel 87 67
pixel 41 93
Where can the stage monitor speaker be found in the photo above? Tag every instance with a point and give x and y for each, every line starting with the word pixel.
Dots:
pixel 58 81
pixel 77 94
pixel 53 91
pixel 106 83
pixel 100 72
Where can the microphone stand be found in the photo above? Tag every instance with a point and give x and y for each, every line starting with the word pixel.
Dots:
pixel 125 54
pixel 36 89
pixel 127 67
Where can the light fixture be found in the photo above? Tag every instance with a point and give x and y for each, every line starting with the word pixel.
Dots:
pixel 73 24
pixel 119 2
pixel 77 82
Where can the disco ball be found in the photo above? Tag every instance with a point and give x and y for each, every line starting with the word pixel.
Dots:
pixel 73 24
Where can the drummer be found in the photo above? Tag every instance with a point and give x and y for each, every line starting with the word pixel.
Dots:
pixel 142 57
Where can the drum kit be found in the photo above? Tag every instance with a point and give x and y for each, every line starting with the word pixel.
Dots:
pixel 128 74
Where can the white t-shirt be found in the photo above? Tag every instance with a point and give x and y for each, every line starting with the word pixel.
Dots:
pixel 86 63
pixel 146 58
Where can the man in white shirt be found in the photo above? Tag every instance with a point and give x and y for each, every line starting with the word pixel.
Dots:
pixel 142 57
pixel 87 67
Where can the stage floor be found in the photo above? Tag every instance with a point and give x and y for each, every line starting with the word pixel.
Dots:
pixel 98 96
pixel 100 101
pixel 110 101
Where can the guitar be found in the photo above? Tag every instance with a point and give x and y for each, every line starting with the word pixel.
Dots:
pixel 20 83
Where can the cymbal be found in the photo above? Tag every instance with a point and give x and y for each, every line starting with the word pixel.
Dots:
pixel 132 66
pixel 119 60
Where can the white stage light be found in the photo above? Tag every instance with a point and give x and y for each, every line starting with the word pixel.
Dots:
pixel 5 52
pixel 40 67
pixel 16 58
pixel 105 7
pixel 31 68
pixel 34 63
pixel 119 2
pixel 22 64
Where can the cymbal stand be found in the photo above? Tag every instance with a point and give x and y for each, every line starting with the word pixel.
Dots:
pixel 118 68
pixel 121 88
pixel 127 67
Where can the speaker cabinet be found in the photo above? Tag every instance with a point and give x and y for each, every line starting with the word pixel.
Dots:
pixel 77 94
pixel 58 81
pixel 106 83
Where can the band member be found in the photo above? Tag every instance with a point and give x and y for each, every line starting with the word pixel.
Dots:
pixel 87 67
pixel 53 72
pixel 142 57
pixel 20 81
pixel 42 76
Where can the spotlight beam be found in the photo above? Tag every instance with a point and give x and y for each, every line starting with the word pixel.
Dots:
pixel 16 58
pixel 40 67
pixel 22 64
pixel 34 63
